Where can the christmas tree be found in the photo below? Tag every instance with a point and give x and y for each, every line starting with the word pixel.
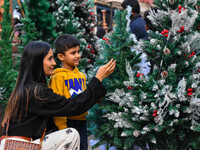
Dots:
pixel 27 29
pixel 161 111
pixel 7 70
pixel 118 45
pixel 85 14
pixel 43 19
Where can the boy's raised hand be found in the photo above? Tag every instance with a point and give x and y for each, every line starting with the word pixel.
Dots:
pixel 105 70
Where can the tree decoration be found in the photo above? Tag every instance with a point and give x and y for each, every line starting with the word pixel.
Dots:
pixel 164 74
pixel 166 51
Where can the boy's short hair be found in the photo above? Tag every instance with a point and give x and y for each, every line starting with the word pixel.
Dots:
pixel 65 42
pixel 133 3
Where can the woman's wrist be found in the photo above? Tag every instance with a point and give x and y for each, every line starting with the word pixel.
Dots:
pixel 99 78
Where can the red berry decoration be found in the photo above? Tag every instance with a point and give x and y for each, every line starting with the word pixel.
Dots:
pixel 166 35
pixel 130 87
pixel 89 46
pixel 154 114
pixel 198 70
pixel 179 7
pixel 190 90
pixel 138 75
pixel 189 94
pixel 92 51
pixel 89 60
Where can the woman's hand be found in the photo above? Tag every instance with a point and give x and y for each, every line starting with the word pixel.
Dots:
pixel 105 70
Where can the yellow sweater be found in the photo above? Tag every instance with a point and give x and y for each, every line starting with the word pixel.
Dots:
pixel 69 84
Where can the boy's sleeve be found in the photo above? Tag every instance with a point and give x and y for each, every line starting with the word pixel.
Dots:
pixel 57 85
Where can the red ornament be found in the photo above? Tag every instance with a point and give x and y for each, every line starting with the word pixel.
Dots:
pixel 130 87
pixel 138 75
pixel 198 27
pixel 162 32
pixel 110 43
pixel 193 53
pixel 179 11
pixel 91 13
pixel 189 94
pixel 89 46
pixel 83 3
pixel 185 54
pixel 166 35
pixel 89 60
pixel 179 7
pixel 92 51
pixel 90 7
pixel 104 38
pixel 154 114
pixel 198 70
pixel 182 28
pixel 166 31
pixel 155 111
pixel 190 90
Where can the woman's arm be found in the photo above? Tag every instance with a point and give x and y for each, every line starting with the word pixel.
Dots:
pixel 56 105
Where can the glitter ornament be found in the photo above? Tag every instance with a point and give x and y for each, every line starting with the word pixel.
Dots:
pixel 171 2
pixel 166 51
pixel 136 133
pixel 164 74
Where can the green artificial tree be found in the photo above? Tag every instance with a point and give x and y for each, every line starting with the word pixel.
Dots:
pixel 197 22
pixel 7 70
pixel 67 23
pixel 44 21
pixel 84 12
pixel 161 111
pixel 118 45
pixel 27 29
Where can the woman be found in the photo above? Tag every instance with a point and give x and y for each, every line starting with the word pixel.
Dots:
pixel 32 104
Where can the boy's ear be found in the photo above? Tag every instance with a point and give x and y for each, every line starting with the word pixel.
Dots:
pixel 60 56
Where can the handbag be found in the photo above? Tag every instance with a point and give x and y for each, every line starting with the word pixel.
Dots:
pixel 14 144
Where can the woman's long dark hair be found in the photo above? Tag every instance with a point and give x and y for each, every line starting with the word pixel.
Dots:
pixel 31 70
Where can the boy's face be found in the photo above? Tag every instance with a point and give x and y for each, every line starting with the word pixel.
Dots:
pixel 71 58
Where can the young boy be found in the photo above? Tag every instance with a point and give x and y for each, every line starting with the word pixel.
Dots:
pixel 69 82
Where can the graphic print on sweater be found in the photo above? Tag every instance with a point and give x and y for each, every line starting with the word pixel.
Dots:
pixel 75 86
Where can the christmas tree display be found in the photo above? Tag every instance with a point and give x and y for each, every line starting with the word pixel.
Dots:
pixel 7 70
pixel 197 21
pixel 28 29
pixel 118 45
pixel 67 23
pixel 160 110
pixel 43 19
pixel 85 14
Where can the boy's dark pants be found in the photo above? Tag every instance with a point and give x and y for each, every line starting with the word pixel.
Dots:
pixel 81 127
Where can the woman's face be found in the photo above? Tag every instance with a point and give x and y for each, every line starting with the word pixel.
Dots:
pixel 49 63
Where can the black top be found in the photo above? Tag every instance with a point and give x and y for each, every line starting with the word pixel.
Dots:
pixel 41 111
